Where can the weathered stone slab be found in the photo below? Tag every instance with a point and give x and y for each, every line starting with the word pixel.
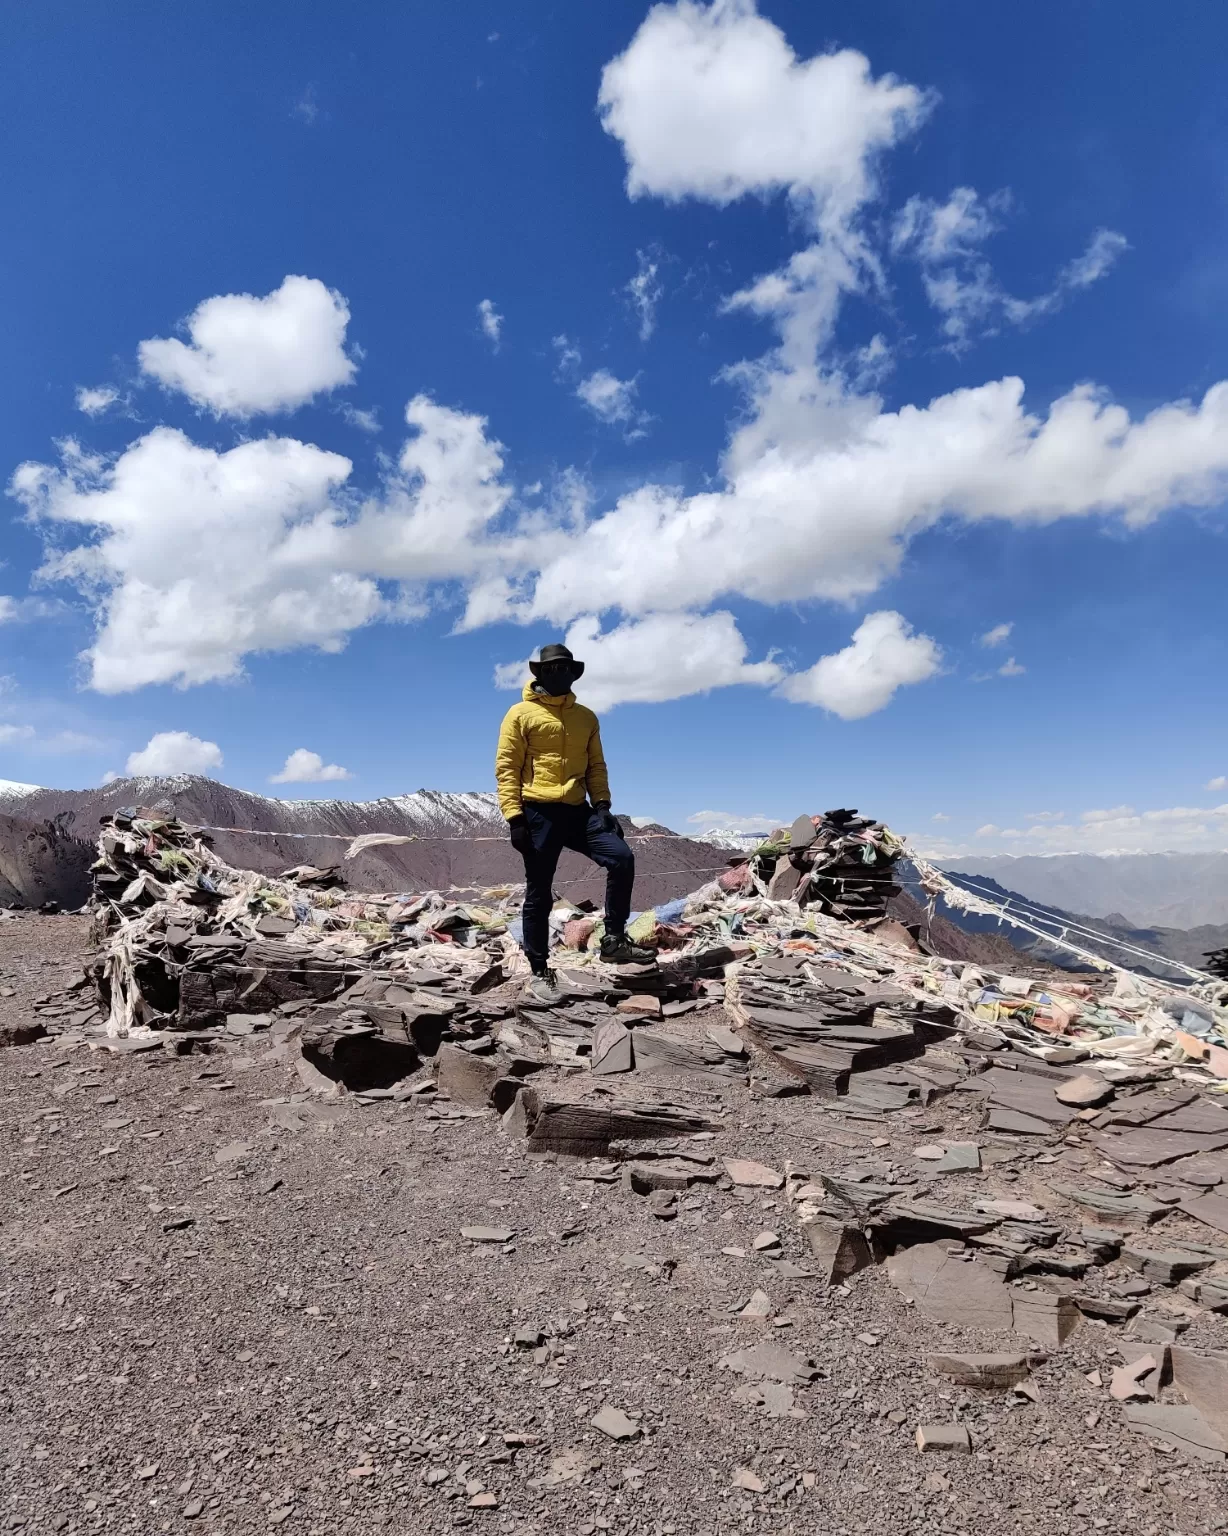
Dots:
pixel 1182 1428
pixel 990 1371
pixel 1202 1380
pixel 612 1049
pixel 840 1251
pixel 952 1290
pixel 768 1362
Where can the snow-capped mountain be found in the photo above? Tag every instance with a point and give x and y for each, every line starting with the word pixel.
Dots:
pixel 729 837
pixel 459 840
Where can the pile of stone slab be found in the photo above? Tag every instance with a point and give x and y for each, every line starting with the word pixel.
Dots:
pixel 841 863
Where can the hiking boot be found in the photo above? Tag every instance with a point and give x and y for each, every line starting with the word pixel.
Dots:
pixel 543 988
pixel 617 949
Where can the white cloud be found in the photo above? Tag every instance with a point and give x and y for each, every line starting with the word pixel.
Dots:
pixel 1119 830
pixel 940 816
pixel 938 232
pixel 610 399
pixel 644 291
pixel 1011 668
pixel 307 108
pixel 194 558
pixel 727 821
pixel 11 735
pixel 175 752
pixel 365 421
pixel 664 656
pixel 1219 782
pixel 945 238
pixel 568 354
pixel 304 767
pixel 998 635
pixel 21 610
pixel 711 102
pixel 95 402
pixel 491 322
pixel 249 355
pixel 1045 815
pixel 884 655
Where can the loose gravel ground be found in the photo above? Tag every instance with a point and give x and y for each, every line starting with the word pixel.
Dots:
pixel 216 1324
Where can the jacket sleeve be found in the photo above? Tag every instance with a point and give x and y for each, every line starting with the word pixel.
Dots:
pixel 509 764
pixel 597 779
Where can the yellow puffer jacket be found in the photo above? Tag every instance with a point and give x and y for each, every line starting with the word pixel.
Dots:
pixel 549 749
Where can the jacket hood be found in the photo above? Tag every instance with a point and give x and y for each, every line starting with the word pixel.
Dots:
pixel 557 700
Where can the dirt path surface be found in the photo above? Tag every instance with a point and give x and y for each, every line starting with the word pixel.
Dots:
pixel 216 1323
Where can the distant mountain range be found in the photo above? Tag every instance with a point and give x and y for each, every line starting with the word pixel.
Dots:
pixel 1112 938
pixel 460 839
pixel 1144 890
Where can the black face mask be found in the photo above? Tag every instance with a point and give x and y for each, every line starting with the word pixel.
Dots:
pixel 556 677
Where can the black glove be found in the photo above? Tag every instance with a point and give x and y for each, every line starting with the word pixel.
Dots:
pixel 521 837
pixel 610 822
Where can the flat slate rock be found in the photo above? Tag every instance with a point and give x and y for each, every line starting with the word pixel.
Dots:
pixel 1016 1124
pixel 981 1370
pixel 968 1294
pixel 487 1234
pixel 612 1048
pixel 1025 1093
pixel 768 1362
pixel 1151 1145
pixel 1213 1209
pixel 1167 1267
pixel 1202 1380
pixel 615 1423
pixel 1181 1427
pixel 751 1175
pixel 1126 1209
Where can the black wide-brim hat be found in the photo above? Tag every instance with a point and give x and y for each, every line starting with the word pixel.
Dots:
pixel 549 653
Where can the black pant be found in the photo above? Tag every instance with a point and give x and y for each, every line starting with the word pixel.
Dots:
pixel 552 828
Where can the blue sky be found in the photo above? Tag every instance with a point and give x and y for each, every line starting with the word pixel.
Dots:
pixel 710 315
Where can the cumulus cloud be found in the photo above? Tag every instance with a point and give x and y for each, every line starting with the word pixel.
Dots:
pixel 1045 815
pixel 304 767
pixel 664 656
pixel 712 102
pixel 491 322
pixel 998 635
pixel 96 402
pixel 247 355
pixel 884 655
pixel 1219 782
pixel 610 399
pixel 644 292
pixel 12 735
pixel 196 558
pixel 1011 668
pixel 175 752
pixel 940 816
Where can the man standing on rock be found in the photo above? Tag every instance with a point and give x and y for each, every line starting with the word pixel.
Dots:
pixel 555 794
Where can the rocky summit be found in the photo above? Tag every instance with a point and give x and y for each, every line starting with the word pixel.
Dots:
pixel 316 1219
